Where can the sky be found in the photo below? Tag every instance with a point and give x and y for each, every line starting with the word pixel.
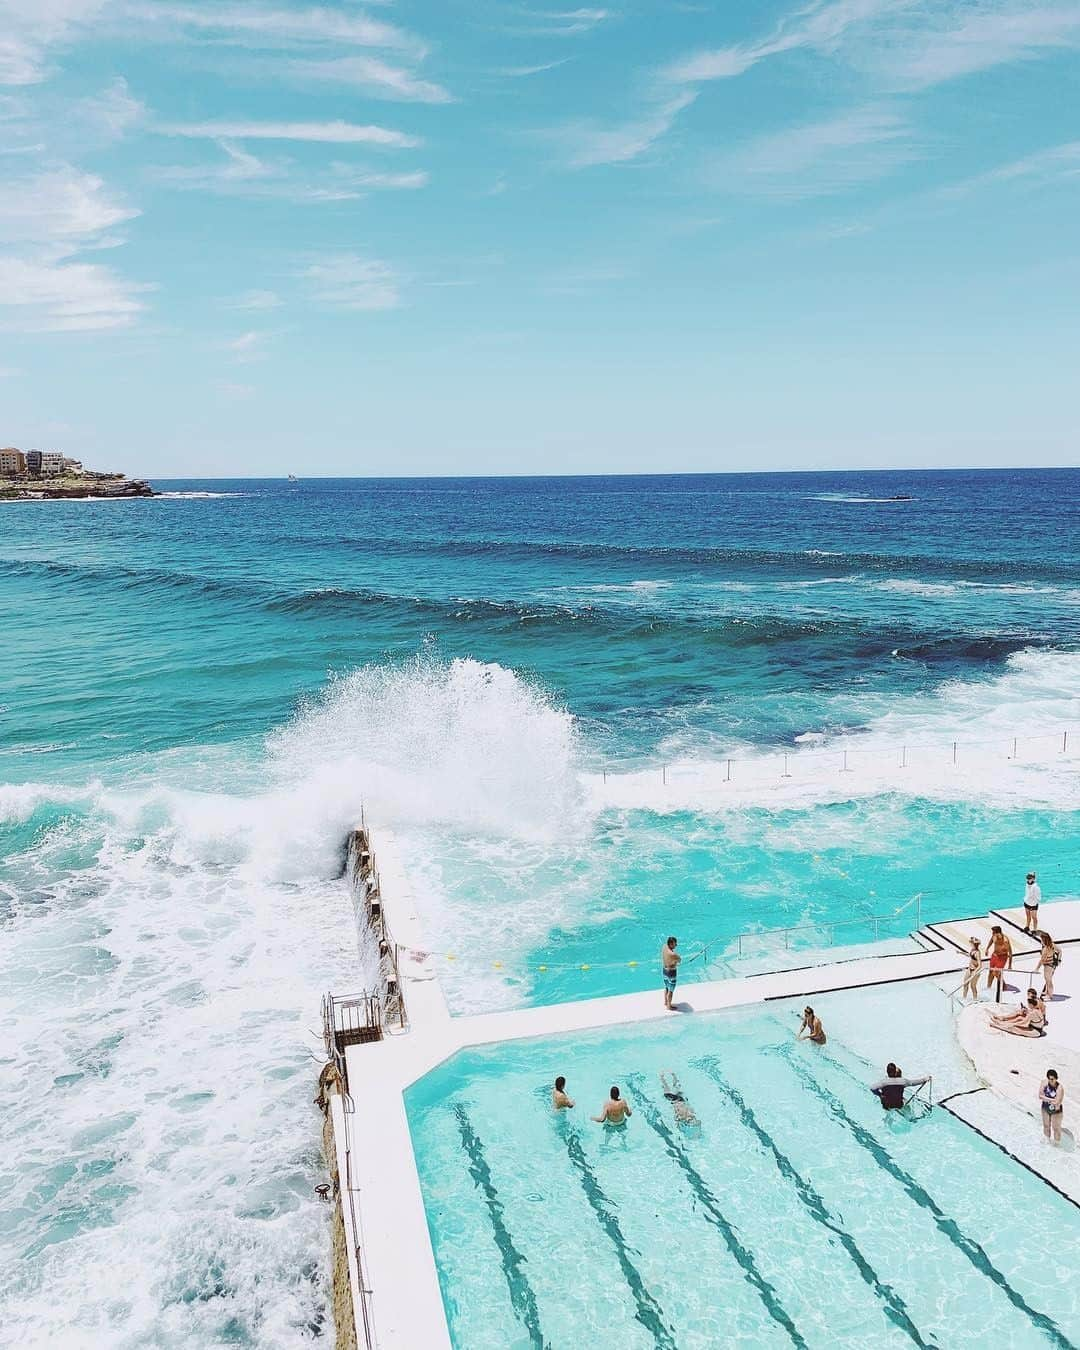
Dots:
pixel 254 237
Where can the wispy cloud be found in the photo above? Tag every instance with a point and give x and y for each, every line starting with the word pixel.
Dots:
pixel 348 281
pixel 60 205
pixel 817 158
pixel 330 133
pixel 1055 164
pixel 270 26
pixel 902 43
pixel 29 29
pixel 248 347
pixel 256 301
pixel 523 72
pixel 372 76
pixel 587 143
pixel 113 112
pixel 46 220
pixel 242 174
pixel 567 22
pixel 42 294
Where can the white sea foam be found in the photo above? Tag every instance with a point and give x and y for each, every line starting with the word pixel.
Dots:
pixel 199 496
pixel 907 749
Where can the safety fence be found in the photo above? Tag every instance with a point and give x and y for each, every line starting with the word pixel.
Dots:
pixel 840 757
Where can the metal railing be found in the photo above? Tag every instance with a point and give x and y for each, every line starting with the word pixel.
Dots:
pixel 842 758
pixel 826 925
pixel 953 994
pixel 352 1020
pixel 367 890
pixel 365 1322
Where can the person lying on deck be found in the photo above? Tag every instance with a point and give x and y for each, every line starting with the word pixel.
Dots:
pixel 1028 1020
pixel 890 1089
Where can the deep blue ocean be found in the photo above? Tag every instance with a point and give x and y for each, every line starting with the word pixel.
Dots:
pixel 592 710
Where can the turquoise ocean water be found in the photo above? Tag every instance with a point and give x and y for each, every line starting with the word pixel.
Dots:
pixel 593 711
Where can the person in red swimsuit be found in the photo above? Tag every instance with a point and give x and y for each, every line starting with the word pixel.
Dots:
pixel 1001 954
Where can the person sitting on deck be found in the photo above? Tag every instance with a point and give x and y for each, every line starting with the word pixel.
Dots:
pixel 684 1112
pixel 615 1111
pixel 890 1089
pixel 1028 1020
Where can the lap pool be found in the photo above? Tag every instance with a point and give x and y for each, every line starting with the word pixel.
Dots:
pixel 797 1215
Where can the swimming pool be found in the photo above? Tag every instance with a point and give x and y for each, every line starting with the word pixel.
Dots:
pixel 798 1215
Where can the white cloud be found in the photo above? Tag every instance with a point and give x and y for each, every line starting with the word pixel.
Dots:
pixel 60 204
pixel 1056 164
pixel 587 144
pixel 569 22
pixel 256 300
pixel 347 281
pixel 817 158
pixel 45 220
pixel 248 347
pixel 333 133
pixel 974 38
pixel 62 296
pixel 244 174
pixel 113 112
pixel 29 28
pixel 269 26
pixel 371 75
pixel 902 43
pixel 521 72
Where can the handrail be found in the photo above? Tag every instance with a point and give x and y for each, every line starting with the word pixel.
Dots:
pixel 951 995
pixel 765 933
pixel 839 752
pixel 367 1312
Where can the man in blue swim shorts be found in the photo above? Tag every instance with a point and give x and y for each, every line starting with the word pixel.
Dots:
pixel 669 965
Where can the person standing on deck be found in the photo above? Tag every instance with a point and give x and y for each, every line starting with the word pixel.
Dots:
pixel 974 965
pixel 1001 954
pixel 1032 897
pixel 1051 1104
pixel 669 968
pixel 1049 960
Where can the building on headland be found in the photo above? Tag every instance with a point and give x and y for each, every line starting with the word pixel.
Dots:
pixel 12 462
pixel 33 463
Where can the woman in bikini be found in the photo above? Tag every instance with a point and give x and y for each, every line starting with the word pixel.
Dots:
pixel 1051 1104
pixel 974 965
pixel 1001 953
pixel 1030 1020
pixel 1049 960
pixel 811 1028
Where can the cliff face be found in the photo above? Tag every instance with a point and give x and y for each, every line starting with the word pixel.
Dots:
pixel 23 489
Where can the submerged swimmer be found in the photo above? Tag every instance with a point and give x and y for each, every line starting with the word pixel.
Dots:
pixel 890 1089
pixel 684 1112
pixel 615 1111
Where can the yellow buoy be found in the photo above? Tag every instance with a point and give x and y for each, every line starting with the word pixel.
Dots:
pixel 584 967
pixel 541 967
pixel 498 965
pixel 450 956
pixel 631 963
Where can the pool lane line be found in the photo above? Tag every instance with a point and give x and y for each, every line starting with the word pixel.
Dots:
pixel 714 1213
pixel 973 1250
pixel 1008 1152
pixel 649 1312
pixel 522 1296
pixel 895 1308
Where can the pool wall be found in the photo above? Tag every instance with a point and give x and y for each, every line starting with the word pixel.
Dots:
pixel 397 1253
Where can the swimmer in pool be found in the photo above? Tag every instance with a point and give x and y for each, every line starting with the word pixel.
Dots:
pixel 890 1089
pixel 684 1112
pixel 811 1028
pixel 559 1099
pixel 615 1111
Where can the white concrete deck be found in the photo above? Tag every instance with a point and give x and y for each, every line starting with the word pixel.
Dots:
pixel 398 1252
